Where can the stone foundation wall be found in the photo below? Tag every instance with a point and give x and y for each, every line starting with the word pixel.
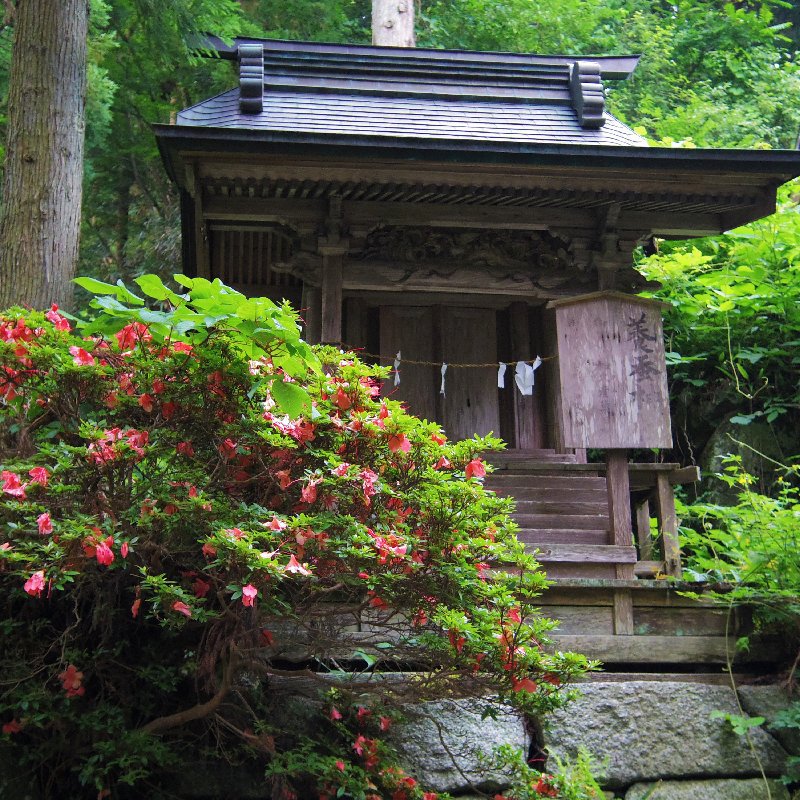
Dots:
pixel 656 739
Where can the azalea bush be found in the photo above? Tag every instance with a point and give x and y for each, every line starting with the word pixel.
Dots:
pixel 221 545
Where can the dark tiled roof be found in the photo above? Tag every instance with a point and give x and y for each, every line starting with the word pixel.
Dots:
pixel 408 93
pixel 407 117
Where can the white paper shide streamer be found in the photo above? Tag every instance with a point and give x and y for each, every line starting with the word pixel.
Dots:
pixel 443 371
pixel 501 375
pixel 396 368
pixel 524 376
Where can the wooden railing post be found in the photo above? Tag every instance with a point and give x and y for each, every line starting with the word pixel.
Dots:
pixel 668 523
pixel 619 511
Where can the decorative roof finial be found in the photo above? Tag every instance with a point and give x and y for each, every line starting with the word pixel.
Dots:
pixel 588 95
pixel 251 78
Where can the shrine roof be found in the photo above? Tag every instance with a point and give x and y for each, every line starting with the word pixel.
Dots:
pixel 416 94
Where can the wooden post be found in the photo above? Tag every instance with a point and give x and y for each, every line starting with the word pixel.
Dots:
pixel 332 261
pixel 668 525
pixel 643 536
pixel 202 257
pixel 619 512
pixel 525 423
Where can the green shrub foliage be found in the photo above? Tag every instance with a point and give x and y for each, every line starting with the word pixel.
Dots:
pixel 218 543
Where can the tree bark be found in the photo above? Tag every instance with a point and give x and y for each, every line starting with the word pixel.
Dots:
pixel 393 23
pixel 40 217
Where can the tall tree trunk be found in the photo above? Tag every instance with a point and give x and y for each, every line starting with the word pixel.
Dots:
pixel 393 23
pixel 40 217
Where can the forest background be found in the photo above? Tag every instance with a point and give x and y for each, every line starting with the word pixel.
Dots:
pixel 712 74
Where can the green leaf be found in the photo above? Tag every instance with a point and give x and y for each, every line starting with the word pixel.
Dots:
pixel 290 398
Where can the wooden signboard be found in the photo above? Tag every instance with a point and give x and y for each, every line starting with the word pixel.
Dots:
pixel 612 372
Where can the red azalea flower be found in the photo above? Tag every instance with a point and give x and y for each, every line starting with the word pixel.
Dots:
pixel 146 402
pixel 39 475
pixel 80 357
pixel 227 449
pixel 475 469
pixel 71 679
pixel 185 449
pixel 182 608
pixel 12 727
pixel 103 553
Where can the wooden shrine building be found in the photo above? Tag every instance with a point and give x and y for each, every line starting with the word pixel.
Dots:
pixel 478 209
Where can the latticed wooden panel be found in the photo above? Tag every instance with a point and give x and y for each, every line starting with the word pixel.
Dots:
pixel 246 256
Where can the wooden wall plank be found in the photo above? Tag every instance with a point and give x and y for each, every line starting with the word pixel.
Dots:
pixel 409 329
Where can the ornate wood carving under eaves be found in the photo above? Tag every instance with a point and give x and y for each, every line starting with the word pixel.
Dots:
pixel 535 264
pixel 531 262
pixel 483 249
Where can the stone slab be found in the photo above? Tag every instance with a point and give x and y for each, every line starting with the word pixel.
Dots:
pixel 440 742
pixel 750 789
pixel 647 731
pixel 767 701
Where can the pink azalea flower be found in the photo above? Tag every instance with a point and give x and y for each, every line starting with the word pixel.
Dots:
pixel 249 593
pixel 45 524
pixel 184 449
pixel 12 484
pixel 60 323
pixel 296 567
pixel 80 357
pixel 399 441
pixel 200 587
pixel 34 586
pixel 12 727
pixel 123 551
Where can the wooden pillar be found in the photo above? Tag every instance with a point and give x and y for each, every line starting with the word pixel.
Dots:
pixel 526 428
pixel 332 264
pixel 311 311
pixel 202 256
pixel 619 511
pixel 669 525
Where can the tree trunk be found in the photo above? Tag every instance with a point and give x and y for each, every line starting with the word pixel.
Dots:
pixel 393 23
pixel 40 218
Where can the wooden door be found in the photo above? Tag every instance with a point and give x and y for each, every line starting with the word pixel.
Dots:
pixel 470 404
pixel 456 336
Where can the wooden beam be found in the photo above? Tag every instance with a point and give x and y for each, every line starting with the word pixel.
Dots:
pixel 665 649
